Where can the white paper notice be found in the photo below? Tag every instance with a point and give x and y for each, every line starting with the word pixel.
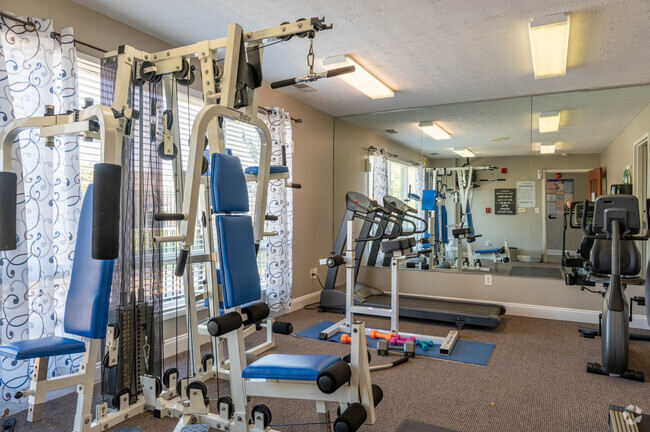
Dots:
pixel 525 194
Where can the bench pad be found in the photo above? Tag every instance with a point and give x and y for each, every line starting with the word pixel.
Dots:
pixel 289 367
pixel 275 169
pixel 44 347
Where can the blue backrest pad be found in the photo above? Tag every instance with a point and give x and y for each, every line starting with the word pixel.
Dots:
pixel 428 199
pixel 228 184
pixel 236 247
pixel 86 307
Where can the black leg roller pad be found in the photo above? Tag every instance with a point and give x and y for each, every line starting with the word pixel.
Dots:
pixel 255 313
pixel 106 211
pixel 352 419
pixel 332 378
pixel 283 328
pixel 223 324
pixel 8 181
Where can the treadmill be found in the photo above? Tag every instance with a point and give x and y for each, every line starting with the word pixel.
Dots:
pixel 395 211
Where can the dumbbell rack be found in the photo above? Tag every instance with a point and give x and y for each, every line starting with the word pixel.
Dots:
pixel 446 343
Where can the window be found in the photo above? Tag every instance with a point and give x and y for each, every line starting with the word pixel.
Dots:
pixel 241 138
pixel 401 178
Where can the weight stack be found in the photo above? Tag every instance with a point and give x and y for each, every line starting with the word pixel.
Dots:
pixel 135 323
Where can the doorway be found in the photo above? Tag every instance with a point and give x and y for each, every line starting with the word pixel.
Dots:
pixel 641 189
pixel 564 187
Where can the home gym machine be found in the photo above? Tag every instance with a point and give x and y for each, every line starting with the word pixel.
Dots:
pixel 226 90
pixel 615 263
pixel 463 231
pixel 333 297
pixel 319 378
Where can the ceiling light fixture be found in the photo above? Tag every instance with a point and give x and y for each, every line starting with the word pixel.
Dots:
pixel 434 131
pixel 549 43
pixel 360 79
pixel 547 148
pixel 549 121
pixel 464 152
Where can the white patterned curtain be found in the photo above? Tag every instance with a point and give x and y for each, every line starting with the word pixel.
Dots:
pixel 379 186
pixel 37 70
pixel 279 262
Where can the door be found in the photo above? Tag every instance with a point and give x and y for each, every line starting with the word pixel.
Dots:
pixel 595 178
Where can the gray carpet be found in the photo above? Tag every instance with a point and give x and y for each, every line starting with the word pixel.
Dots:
pixel 535 380
pixel 538 272
pixel 411 426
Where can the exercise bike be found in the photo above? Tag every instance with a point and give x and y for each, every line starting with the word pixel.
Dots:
pixel 615 263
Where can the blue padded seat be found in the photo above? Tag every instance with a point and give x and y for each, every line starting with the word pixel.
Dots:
pixel 222 310
pixel 428 199
pixel 86 306
pixel 486 251
pixel 236 247
pixel 229 191
pixel 289 367
pixel 44 347
pixel 275 169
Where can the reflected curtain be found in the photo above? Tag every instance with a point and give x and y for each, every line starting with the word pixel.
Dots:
pixel 379 186
pixel 420 174
pixel 37 70
pixel 279 262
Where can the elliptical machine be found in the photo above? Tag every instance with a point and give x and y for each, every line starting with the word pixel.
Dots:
pixel 616 262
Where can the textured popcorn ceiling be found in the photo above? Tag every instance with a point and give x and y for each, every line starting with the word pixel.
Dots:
pixel 430 52
pixel 590 120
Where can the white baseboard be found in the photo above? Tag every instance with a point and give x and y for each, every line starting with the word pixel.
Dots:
pixel 554 252
pixel 549 312
pixel 301 302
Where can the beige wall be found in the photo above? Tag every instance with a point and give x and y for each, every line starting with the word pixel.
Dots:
pixel 350 152
pixel 523 230
pixel 619 153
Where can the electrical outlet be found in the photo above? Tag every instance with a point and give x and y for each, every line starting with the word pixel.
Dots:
pixel 488 243
pixel 313 273
pixel 488 279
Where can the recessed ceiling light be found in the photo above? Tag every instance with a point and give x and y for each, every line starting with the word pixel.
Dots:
pixel 549 44
pixel 549 121
pixel 434 131
pixel 360 79
pixel 547 148
pixel 464 152
pixel 500 139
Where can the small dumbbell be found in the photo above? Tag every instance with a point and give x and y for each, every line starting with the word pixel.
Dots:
pixel 424 344
pixel 376 335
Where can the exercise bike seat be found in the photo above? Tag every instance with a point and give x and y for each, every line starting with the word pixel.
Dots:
pixel 601 258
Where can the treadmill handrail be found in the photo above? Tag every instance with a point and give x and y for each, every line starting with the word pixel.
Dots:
pixel 378 235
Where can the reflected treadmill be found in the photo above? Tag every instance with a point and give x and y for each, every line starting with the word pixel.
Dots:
pixel 394 211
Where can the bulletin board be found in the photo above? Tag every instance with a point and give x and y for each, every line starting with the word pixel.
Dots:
pixel 558 193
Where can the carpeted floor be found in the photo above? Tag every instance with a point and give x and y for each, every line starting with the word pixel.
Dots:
pixel 535 380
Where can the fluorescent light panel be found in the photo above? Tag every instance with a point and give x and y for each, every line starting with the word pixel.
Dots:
pixel 549 121
pixel 434 131
pixel 549 43
pixel 464 152
pixel 360 79
pixel 547 148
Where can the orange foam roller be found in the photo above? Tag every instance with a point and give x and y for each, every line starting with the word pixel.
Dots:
pixel 376 335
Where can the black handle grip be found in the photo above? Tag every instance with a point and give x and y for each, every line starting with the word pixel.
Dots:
pixel 295 185
pixel 283 83
pixel 8 190
pixel 340 71
pixel 106 211
pixel 163 217
pixel 181 262
pixel 335 261
pixel 271 218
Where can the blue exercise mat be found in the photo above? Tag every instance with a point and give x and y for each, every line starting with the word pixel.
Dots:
pixel 464 351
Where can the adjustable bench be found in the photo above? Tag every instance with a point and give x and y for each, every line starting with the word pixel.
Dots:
pixel 321 378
